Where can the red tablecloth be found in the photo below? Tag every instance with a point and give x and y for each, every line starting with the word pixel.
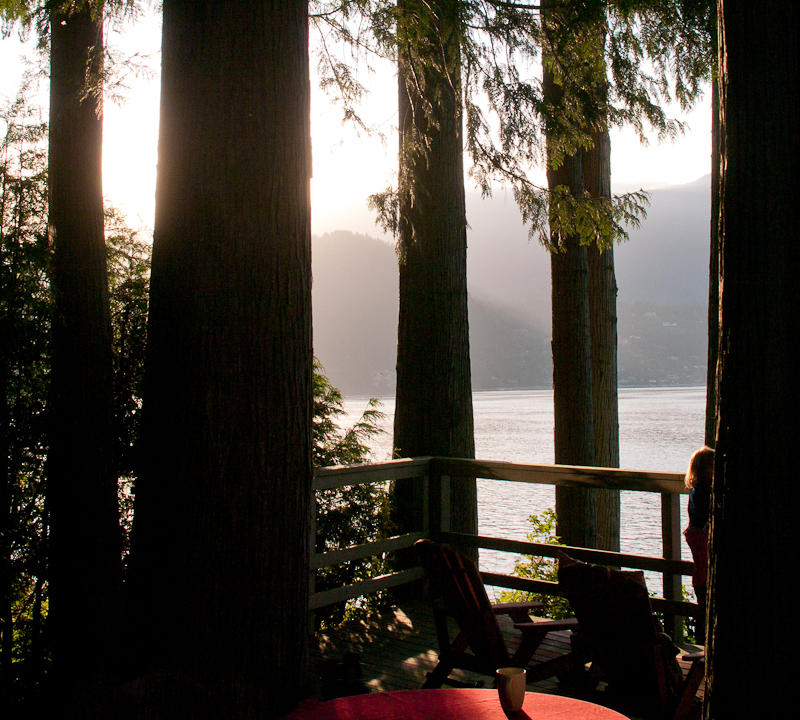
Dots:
pixel 450 704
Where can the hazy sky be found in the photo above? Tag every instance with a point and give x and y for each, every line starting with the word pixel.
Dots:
pixel 347 168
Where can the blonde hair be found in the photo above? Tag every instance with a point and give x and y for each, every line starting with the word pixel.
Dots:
pixel 701 468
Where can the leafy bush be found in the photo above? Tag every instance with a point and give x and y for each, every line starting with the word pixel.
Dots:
pixel 534 567
pixel 25 311
pixel 129 255
pixel 351 515
pixel 690 623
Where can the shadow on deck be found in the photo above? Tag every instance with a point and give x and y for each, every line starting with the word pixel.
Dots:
pixel 398 648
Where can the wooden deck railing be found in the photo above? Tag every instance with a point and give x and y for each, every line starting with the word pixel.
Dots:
pixel 436 525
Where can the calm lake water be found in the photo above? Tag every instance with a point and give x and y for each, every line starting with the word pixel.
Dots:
pixel 659 430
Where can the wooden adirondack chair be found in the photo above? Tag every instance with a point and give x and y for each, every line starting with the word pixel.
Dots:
pixel 625 643
pixel 457 591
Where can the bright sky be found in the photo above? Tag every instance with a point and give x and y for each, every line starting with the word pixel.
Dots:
pixel 347 167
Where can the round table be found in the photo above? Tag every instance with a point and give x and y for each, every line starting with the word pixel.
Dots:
pixel 449 704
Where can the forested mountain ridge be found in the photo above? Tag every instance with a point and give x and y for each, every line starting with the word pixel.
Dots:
pixel 663 283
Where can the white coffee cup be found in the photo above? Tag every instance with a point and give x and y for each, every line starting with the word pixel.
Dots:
pixel 511 688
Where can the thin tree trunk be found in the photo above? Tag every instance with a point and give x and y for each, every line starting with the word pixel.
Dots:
pixel 85 542
pixel 754 540
pixel 576 508
pixel 221 537
pixel 603 330
pixel 713 274
pixel 433 414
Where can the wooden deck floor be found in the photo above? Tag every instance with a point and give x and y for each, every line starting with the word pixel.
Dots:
pixel 398 648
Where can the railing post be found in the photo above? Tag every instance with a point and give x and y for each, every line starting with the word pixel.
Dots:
pixel 430 490
pixel 671 539
pixel 434 502
pixel 438 515
pixel 444 484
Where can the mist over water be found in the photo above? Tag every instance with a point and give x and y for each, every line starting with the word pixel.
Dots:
pixel 659 430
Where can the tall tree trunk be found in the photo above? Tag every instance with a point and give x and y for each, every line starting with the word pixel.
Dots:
pixel 576 508
pixel 433 414
pixel 85 542
pixel 713 273
pixel 603 332
pixel 220 546
pixel 754 541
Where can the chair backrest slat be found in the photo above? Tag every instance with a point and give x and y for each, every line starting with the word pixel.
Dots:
pixel 455 579
pixel 617 621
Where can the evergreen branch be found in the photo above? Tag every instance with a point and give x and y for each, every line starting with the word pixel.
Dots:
pixel 517 6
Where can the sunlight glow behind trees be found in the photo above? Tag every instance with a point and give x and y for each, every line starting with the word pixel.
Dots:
pixel 348 166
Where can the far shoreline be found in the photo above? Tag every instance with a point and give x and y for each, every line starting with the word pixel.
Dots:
pixel 366 396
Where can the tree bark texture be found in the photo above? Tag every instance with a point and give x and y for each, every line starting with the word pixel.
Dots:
pixel 85 542
pixel 603 336
pixel 433 414
pixel 754 541
pixel 576 508
pixel 713 274
pixel 221 537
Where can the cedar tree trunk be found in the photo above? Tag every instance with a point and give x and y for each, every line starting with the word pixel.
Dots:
pixel 85 543
pixel 576 509
pixel 603 331
pixel 433 414
pixel 754 540
pixel 221 537
pixel 713 274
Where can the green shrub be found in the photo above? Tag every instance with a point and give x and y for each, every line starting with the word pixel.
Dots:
pixel 534 567
pixel 350 515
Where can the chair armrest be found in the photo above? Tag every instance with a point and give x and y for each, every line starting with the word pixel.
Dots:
pixel 665 642
pixel 517 611
pixel 694 657
pixel 545 625
pixel 508 608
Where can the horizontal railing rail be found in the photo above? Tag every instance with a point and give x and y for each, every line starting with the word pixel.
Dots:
pixel 330 478
pixel 361 552
pixel 563 475
pixel 365 587
pixel 596 557
pixel 437 472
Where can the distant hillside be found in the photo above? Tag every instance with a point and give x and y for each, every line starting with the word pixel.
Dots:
pixel 507 347
pixel 662 345
pixel 355 326
pixel 662 275
pixel 664 262
pixel 355 323
pixel 355 311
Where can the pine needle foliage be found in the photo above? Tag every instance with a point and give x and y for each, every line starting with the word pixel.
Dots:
pixel 108 72
pixel 332 444
pixel 619 62
pixel 25 311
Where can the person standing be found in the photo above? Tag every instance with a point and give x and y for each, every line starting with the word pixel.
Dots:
pixel 699 479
